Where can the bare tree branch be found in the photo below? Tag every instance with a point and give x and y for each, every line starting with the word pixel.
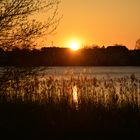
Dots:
pixel 17 25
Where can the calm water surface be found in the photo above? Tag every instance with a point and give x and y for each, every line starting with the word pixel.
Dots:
pixel 98 72
pixel 92 71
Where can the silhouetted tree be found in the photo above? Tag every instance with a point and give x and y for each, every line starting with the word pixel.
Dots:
pixel 19 25
pixel 137 46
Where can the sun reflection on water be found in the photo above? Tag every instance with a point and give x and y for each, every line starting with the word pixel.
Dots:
pixel 75 95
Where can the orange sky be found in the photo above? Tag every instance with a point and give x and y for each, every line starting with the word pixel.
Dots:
pixel 101 22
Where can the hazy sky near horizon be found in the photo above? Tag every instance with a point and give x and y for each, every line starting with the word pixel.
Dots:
pixel 101 22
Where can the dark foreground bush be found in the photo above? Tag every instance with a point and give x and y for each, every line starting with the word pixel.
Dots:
pixel 53 121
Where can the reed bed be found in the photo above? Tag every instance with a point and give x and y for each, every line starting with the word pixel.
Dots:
pixel 76 90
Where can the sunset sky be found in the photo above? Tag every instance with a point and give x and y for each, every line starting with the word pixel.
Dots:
pixel 101 22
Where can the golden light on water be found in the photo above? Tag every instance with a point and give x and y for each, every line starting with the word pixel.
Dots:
pixel 75 94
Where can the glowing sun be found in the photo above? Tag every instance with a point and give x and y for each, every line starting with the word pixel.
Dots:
pixel 74 45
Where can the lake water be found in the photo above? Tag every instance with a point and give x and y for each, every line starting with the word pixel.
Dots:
pixel 91 71
pixel 98 72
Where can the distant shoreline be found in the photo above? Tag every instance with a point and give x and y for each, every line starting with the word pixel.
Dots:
pixel 110 56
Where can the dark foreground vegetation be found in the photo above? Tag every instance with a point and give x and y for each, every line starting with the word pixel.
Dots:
pixel 39 107
pixel 94 121
pixel 110 56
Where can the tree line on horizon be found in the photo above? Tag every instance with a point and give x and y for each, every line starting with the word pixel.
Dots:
pixel 55 56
